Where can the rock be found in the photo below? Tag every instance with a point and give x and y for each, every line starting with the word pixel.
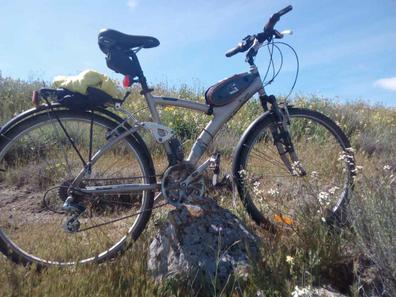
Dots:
pixel 315 292
pixel 194 210
pixel 204 245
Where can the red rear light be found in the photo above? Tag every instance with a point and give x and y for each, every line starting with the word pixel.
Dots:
pixel 127 82
pixel 36 98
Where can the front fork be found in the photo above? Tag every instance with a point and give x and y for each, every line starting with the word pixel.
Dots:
pixel 281 134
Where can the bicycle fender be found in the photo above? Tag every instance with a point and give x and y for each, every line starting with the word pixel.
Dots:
pixel 41 109
pixel 56 106
pixel 20 117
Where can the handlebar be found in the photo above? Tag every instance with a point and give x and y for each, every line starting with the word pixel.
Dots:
pixel 242 46
pixel 267 34
pixel 233 51
pixel 285 10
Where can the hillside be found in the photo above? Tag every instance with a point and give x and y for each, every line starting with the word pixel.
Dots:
pixel 358 260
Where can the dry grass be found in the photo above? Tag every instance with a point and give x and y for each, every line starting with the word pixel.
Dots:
pixel 359 260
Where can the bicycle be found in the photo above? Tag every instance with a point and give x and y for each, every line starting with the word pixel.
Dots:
pixel 96 165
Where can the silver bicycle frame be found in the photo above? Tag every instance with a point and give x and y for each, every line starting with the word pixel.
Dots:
pixel 221 115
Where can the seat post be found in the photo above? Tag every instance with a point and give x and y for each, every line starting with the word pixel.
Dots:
pixel 140 75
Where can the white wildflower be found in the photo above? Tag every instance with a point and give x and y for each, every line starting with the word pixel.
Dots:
pixel 350 149
pixel 342 156
pixel 256 188
pixel 299 292
pixel 323 198
pixel 296 168
pixel 333 190
pixel 357 169
pixel 346 156
pixel 387 167
pixel 242 172
pixel 273 192
pixel 290 260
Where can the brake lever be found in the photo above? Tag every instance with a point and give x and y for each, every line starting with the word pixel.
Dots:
pixel 247 42
pixel 277 34
pixel 280 35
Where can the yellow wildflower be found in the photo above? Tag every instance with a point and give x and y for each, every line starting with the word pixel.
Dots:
pixel 169 108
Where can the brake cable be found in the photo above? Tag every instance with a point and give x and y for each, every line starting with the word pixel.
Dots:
pixel 268 68
pixel 297 68
pixel 280 66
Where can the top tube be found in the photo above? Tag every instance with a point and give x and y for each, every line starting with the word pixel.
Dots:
pixel 169 101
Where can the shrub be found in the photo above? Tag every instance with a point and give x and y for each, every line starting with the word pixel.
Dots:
pixel 373 209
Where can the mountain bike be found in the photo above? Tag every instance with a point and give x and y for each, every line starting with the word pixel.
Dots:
pixel 78 183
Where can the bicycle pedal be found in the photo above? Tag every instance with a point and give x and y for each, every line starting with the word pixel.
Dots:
pixel 215 180
pixel 214 162
pixel 225 182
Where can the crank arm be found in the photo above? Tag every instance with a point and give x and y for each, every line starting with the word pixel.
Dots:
pixel 158 197
pixel 196 173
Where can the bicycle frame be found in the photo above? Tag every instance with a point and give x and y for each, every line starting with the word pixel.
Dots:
pixel 221 115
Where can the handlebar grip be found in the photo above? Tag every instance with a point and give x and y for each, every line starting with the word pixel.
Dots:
pixel 285 10
pixel 233 51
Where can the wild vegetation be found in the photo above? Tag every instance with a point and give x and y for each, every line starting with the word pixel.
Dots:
pixel 358 259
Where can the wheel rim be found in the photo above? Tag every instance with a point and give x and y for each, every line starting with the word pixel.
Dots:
pixel 40 158
pixel 286 200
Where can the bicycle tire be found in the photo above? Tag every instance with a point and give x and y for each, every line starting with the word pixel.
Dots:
pixel 276 200
pixel 27 247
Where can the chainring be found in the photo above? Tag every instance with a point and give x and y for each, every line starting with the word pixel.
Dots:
pixel 172 190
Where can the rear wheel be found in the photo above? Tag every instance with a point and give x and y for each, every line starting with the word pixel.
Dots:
pixel 276 197
pixel 37 165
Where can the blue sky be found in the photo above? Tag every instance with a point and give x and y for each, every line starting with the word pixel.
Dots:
pixel 346 48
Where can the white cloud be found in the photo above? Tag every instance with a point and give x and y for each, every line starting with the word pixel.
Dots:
pixel 132 3
pixel 386 83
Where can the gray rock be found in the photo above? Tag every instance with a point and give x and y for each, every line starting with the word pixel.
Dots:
pixel 316 292
pixel 204 245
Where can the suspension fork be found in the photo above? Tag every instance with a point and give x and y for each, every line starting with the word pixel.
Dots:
pixel 281 134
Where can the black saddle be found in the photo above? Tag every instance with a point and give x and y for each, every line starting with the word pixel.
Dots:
pixel 110 39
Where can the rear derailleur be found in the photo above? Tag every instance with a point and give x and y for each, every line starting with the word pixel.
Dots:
pixel 76 208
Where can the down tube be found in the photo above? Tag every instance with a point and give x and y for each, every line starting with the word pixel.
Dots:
pixel 221 116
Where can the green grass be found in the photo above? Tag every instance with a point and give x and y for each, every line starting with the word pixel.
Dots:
pixel 309 255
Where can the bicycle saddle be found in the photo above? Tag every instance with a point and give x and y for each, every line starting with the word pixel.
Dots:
pixel 109 38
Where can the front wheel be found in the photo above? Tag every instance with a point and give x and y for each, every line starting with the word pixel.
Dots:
pixel 276 197
pixel 38 164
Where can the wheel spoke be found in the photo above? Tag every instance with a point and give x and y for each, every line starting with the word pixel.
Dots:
pixel 109 219
pixel 273 191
